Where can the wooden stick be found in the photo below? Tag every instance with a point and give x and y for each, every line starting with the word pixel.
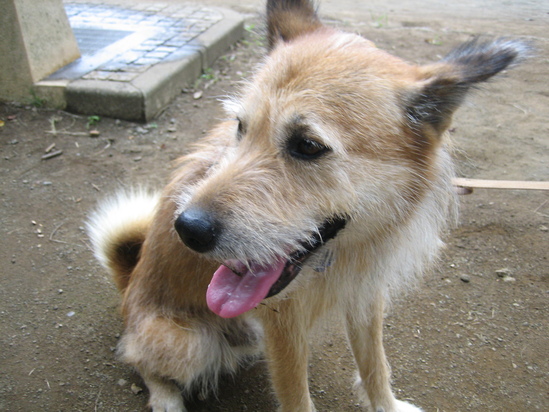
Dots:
pixel 52 154
pixel 499 184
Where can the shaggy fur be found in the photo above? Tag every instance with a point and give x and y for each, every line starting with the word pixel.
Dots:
pixel 333 182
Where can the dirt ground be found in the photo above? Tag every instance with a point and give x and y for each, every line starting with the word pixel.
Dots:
pixel 467 339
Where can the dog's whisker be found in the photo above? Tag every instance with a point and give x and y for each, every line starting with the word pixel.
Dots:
pixel 269 307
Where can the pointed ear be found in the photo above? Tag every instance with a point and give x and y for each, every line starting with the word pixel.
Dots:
pixel 288 19
pixel 444 85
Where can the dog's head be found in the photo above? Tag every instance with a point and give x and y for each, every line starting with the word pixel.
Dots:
pixel 332 138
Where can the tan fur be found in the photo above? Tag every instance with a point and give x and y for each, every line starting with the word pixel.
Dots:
pixel 386 171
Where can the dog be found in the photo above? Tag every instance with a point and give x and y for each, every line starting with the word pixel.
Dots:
pixel 327 191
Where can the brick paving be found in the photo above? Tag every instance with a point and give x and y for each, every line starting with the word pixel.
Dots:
pixel 136 58
pixel 118 43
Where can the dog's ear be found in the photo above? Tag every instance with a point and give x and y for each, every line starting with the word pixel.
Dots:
pixel 443 85
pixel 288 19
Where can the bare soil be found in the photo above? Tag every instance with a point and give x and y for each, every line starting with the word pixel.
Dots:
pixel 466 339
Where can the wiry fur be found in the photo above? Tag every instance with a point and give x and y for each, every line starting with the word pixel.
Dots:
pixel 385 169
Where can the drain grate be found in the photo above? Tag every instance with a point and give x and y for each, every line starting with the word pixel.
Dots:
pixel 118 44
pixel 92 40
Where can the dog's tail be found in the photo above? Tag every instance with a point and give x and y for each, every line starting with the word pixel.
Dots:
pixel 117 230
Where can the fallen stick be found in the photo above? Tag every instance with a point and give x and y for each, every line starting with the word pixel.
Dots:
pixel 50 148
pixel 67 133
pixel 52 154
pixel 469 184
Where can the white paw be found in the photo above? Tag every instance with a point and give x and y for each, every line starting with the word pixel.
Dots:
pixel 167 402
pixel 401 406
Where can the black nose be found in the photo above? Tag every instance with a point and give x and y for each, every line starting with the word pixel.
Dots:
pixel 198 229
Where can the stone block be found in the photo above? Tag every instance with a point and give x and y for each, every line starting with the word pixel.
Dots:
pixel 36 41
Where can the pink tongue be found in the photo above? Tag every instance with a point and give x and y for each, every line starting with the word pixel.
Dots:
pixel 230 295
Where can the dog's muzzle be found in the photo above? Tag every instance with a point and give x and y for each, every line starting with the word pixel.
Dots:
pixel 236 286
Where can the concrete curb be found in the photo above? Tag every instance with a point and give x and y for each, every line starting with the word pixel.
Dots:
pixel 146 95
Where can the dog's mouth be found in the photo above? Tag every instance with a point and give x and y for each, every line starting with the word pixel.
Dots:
pixel 237 287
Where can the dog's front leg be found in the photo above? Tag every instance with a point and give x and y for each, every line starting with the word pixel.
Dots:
pixel 287 353
pixel 165 396
pixel 365 333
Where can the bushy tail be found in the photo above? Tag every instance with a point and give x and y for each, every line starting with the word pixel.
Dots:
pixel 117 230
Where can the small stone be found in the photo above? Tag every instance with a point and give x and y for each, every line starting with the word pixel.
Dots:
pixel 503 272
pixel 544 228
pixel 94 133
pixel 465 278
pixel 197 95
pixel 122 382
pixel 136 389
pixel 508 279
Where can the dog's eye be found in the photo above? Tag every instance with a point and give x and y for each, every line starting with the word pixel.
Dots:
pixel 304 148
pixel 241 130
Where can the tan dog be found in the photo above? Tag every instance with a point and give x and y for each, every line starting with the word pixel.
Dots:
pixel 327 193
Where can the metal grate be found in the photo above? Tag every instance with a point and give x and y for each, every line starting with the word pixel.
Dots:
pixel 91 41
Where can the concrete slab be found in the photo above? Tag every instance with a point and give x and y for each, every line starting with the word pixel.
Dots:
pixel 31 46
pixel 135 60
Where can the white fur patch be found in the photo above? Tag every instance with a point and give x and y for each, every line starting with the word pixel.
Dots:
pixel 402 406
pixel 117 215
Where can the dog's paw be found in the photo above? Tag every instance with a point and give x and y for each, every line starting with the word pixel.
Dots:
pixel 167 402
pixel 172 405
pixel 401 406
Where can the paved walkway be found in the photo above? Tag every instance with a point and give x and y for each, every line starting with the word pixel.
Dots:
pixel 136 58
